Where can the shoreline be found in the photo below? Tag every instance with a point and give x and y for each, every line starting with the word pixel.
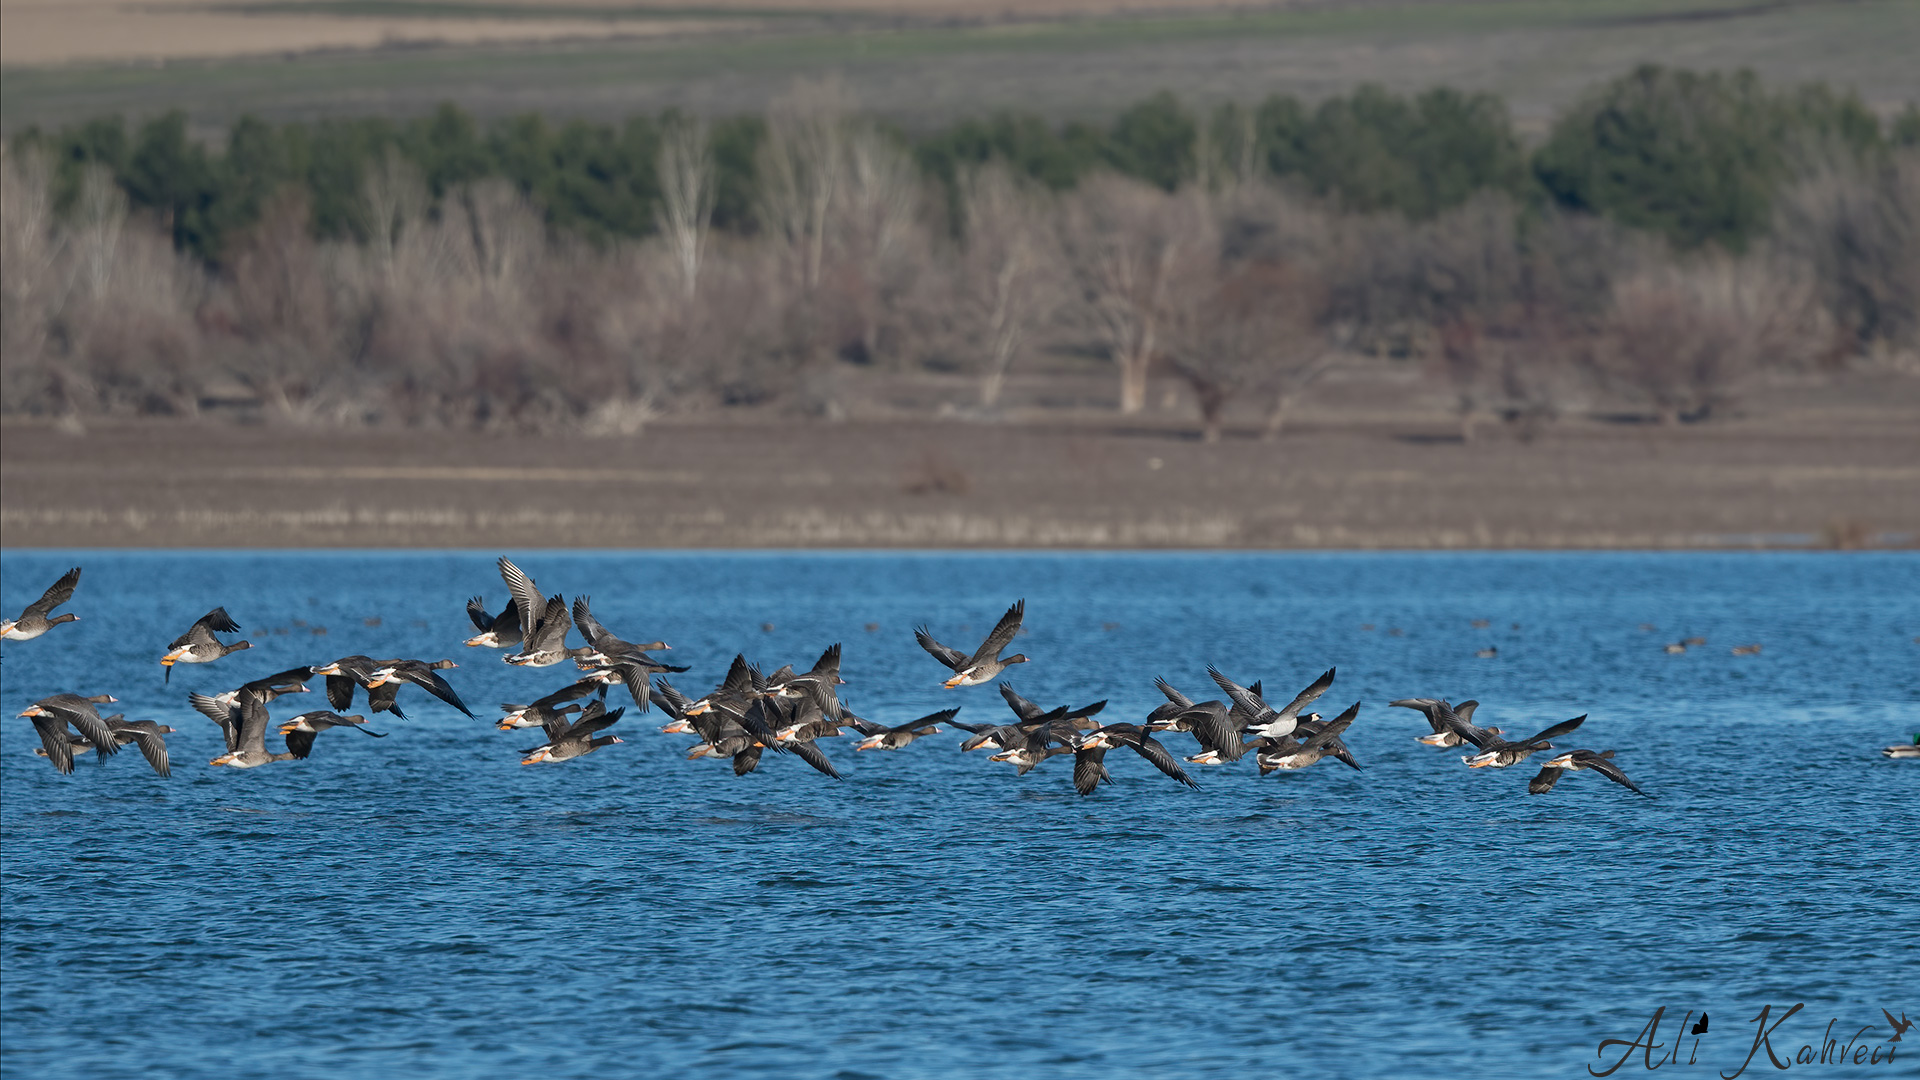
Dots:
pixel 1068 484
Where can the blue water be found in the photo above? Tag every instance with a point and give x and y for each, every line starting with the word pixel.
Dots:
pixel 423 905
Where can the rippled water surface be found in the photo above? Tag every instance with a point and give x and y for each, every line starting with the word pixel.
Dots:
pixel 424 905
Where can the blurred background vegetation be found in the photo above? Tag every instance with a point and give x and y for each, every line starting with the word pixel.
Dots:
pixel 1670 237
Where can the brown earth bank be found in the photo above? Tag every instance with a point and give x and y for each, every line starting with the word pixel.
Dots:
pixel 1809 466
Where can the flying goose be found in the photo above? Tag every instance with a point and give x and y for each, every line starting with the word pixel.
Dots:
pixel 303 729
pixel 1142 742
pixel 881 737
pixel 547 708
pixel 543 622
pixel 1452 724
pixel 419 673
pixel 985 663
pixel 567 741
pixel 614 659
pixel 1498 753
pixel 34 621
pixel 64 709
pixel 1285 752
pixel 199 646
pixel 1264 720
pixel 500 631
pixel 247 734
pixel 1578 761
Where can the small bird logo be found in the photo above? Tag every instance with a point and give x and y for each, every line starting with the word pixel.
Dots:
pixel 1701 1027
pixel 1900 1026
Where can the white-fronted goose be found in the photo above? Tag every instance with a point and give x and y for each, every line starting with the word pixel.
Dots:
pixel 543 622
pixel 551 707
pixel 303 729
pixel 149 736
pixel 1580 761
pixel 615 658
pixel 1499 753
pixel 421 674
pixel 985 663
pixel 64 709
pixel 1447 721
pixel 568 741
pixel 881 737
pixel 199 646
pixel 34 620
pixel 247 737
pixel 1136 736
pixel 1286 752
pixel 500 631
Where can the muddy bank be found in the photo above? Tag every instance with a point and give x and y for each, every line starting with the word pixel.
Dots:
pixel 1825 478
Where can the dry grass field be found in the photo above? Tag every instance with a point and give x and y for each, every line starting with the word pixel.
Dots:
pixel 1374 462
pixel 918 61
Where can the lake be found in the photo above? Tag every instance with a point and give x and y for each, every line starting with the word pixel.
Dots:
pixel 424 905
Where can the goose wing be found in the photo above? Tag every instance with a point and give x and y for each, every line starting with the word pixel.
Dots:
pixel 58 593
pixel 477 611
pixel 1557 730
pixel 1024 709
pixel 1090 770
pixel 1173 696
pixel 1150 748
pixel 954 659
pixel 597 635
pixel 588 725
pixel 153 745
pixel 1330 731
pixel 1002 635
pixel 252 734
pixel 1214 730
pixel 814 756
pixel 201 632
pixel 942 717
pixel 53 739
pixel 1249 701
pixel 1612 772
pixel 1544 780
pixel 429 680
pixel 1308 696
pixel 526 596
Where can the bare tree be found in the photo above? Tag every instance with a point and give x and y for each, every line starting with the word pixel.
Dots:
pixel 1688 339
pixel 393 198
pixel 1857 226
pixel 282 310
pixel 877 232
pixel 686 197
pixel 1128 244
pixel 1007 273
pixel 31 288
pixel 1248 329
pixel 800 168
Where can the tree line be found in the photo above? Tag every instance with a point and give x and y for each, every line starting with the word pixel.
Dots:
pixel 1672 233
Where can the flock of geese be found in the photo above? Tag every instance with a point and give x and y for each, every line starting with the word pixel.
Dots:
pixel 788 712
